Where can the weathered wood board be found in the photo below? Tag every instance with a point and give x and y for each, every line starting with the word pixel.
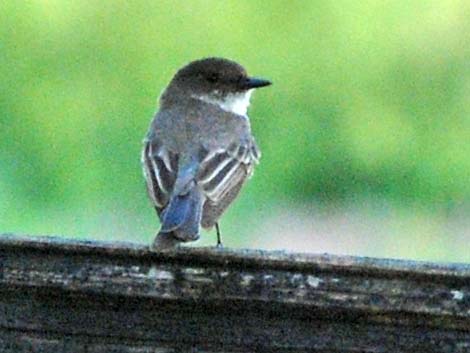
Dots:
pixel 61 295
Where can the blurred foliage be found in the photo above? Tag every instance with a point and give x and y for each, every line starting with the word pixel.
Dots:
pixel 371 99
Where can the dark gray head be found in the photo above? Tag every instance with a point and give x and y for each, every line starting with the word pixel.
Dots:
pixel 218 81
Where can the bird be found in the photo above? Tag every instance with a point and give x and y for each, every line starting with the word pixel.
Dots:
pixel 199 149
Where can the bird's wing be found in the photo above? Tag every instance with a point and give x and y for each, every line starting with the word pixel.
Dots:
pixel 222 169
pixel 160 169
pixel 212 211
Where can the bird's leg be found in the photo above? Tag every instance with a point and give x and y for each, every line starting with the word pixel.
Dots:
pixel 219 241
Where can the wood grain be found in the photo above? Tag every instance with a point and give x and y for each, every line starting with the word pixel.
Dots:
pixel 60 295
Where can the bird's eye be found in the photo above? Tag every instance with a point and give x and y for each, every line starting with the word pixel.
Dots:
pixel 213 77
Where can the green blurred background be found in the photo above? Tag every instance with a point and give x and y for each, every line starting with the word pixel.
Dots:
pixel 365 132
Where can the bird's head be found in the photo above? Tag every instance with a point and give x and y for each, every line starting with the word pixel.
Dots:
pixel 218 81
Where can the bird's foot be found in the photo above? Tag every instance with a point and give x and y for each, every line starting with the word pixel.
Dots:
pixel 219 238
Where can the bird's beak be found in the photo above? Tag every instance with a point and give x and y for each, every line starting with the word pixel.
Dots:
pixel 254 82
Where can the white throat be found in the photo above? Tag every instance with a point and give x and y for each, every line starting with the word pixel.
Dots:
pixel 236 103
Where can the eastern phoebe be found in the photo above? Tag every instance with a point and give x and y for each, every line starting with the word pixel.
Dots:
pixel 199 149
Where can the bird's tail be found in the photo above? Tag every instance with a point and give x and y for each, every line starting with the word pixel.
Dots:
pixel 181 219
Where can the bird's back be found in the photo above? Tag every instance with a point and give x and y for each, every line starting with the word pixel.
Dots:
pixel 212 149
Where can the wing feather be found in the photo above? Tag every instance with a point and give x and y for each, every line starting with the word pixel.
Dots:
pixel 160 167
pixel 221 170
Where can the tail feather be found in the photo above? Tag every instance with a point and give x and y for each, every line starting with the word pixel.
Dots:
pixel 183 215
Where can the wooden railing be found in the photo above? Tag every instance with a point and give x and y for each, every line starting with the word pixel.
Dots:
pixel 72 296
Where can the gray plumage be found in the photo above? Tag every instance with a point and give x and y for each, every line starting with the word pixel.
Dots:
pixel 199 149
